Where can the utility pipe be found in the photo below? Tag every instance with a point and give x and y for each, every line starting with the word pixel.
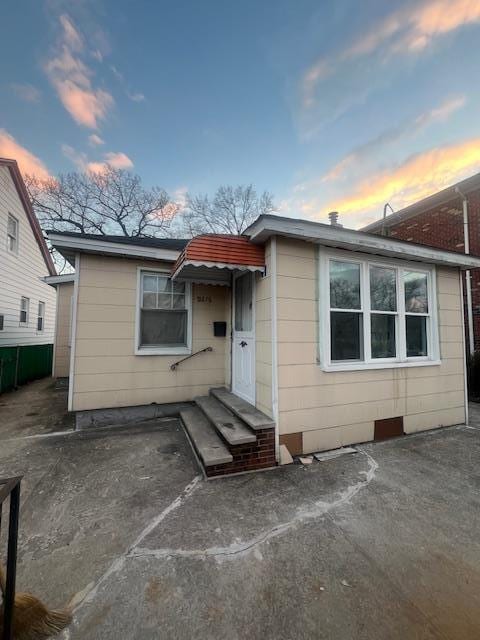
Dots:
pixel 468 277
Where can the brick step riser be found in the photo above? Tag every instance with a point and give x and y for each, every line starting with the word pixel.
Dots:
pixel 248 457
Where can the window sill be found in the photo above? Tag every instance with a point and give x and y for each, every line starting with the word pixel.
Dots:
pixel 361 366
pixel 163 351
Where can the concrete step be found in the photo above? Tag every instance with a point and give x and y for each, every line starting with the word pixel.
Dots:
pixel 206 441
pixel 233 430
pixel 254 418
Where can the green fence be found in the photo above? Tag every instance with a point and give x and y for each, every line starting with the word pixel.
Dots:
pixel 19 365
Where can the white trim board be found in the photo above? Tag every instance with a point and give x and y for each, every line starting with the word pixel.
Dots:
pixel 71 380
pixel 111 248
pixel 61 279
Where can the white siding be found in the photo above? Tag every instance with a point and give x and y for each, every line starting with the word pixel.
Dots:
pixel 21 273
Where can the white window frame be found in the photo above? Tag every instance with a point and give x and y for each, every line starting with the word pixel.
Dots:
pixel 41 306
pixel 161 351
pixel 27 311
pixel 401 359
pixel 15 237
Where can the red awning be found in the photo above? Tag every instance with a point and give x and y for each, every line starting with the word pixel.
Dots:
pixel 210 257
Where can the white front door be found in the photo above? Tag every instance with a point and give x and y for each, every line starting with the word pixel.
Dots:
pixel 243 350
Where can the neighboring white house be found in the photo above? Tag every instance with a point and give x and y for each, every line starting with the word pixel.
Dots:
pixel 27 303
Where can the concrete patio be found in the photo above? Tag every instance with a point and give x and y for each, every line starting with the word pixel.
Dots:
pixel 382 544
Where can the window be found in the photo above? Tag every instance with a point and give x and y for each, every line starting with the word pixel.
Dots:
pixel 376 314
pixel 163 314
pixel 24 310
pixel 12 234
pixel 1 322
pixel 41 316
pixel 243 303
pixel 346 317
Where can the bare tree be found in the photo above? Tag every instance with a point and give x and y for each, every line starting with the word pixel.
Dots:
pixel 231 210
pixel 112 201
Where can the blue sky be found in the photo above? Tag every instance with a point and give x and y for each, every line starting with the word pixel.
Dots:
pixel 322 104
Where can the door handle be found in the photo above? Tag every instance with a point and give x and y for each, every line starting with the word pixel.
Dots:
pixel 243 343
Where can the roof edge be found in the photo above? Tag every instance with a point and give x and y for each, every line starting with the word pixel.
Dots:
pixel 27 205
pixel 332 236
pixel 63 243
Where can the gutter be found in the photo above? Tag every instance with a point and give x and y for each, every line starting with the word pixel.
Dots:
pixel 468 277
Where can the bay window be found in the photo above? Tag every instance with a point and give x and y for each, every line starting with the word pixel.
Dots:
pixel 163 315
pixel 374 313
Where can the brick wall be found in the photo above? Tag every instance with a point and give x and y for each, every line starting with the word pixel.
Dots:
pixel 442 227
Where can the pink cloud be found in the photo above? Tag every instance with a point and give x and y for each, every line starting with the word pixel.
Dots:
pixel 118 160
pixel 71 78
pixel 95 140
pixel 85 106
pixel 409 30
pixel 29 163
pixel 373 147
pixel 70 34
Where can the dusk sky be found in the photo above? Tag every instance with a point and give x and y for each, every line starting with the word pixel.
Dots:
pixel 326 104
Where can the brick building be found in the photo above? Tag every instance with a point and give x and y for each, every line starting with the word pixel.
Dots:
pixel 439 221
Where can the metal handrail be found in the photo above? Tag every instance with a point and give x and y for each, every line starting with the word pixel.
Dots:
pixel 175 364
pixel 10 487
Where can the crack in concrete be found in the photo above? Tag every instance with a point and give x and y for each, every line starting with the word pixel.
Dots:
pixel 238 549
pixel 88 594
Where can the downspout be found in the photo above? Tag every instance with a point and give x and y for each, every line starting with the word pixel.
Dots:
pixel 273 299
pixel 468 277
pixel 465 380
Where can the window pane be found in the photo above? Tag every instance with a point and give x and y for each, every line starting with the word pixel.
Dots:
pixel 178 301
pixel 416 297
pixel 416 336
pixel 178 287
pixel 344 285
pixel 243 303
pixel 149 300
pixel 383 335
pixel 163 328
pixel 164 284
pixel 383 289
pixel 149 283
pixel 12 226
pixel 346 332
pixel 164 301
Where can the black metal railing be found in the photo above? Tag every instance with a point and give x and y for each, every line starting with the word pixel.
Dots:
pixel 10 487
pixel 175 364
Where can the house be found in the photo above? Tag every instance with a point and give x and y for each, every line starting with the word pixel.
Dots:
pixel 27 303
pixel 448 219
pixel 296 333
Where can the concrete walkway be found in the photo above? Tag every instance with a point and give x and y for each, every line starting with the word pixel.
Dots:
pixel 383 544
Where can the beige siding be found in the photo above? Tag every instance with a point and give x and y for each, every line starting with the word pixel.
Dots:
pixel 61 365
pixel 263 338
pixel 21 275
pixel 107 371
pixel 339 408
